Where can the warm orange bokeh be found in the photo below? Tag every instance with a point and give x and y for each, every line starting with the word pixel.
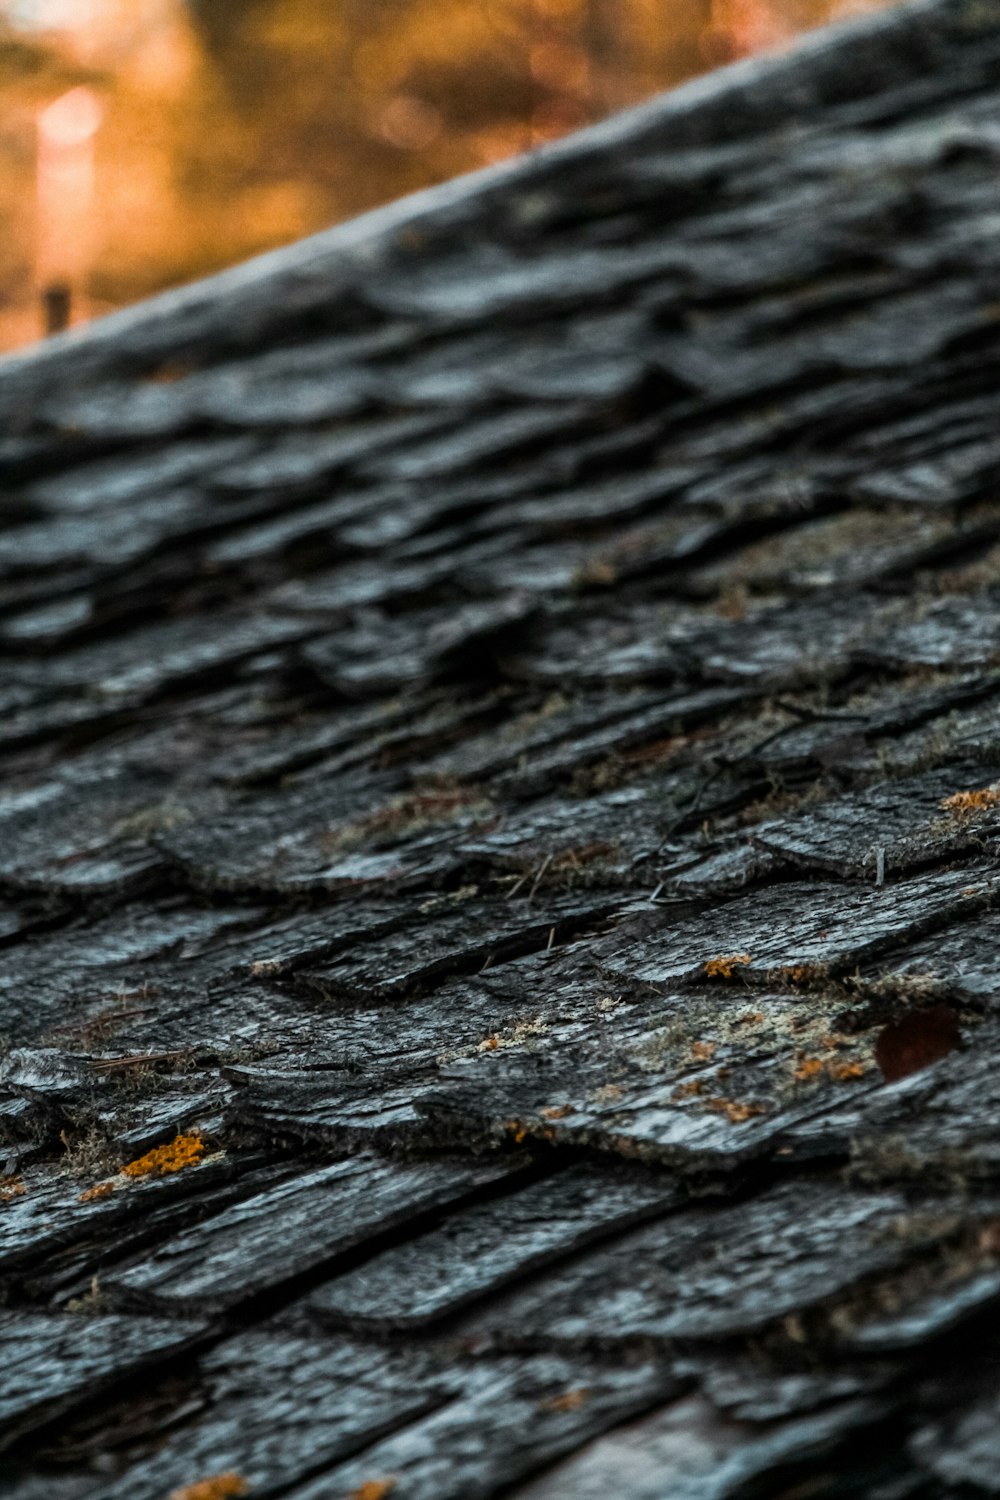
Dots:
pixel 146 142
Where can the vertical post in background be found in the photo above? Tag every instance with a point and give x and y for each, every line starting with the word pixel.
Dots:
pixel 606 33
pixel 65 204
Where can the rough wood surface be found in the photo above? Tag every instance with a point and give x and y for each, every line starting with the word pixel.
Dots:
pixel 499 720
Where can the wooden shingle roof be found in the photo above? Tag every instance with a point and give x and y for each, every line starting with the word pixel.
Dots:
pixel 498 833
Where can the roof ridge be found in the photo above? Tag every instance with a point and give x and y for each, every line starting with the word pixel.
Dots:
pixel 700 112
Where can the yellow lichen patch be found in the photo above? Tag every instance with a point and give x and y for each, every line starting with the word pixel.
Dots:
pixel 517 1129
pixel 373 1489
pixel 183 1151
pixel 99 1190
pixel 725 965
pixel 568 1401
pixel 11 1188
pixel 219 1487
pixel 962 804
pixel 735 1113
pixel 703 1051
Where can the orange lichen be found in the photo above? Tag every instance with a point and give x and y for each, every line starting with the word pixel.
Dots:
pixel 702 1051
pixel 99 1190
pixel 961 804
pixel 836 1068
pixel 842 1071
pixel 183 1151
pixel 520 1131
pixel 724 966
pixel 809 1067
pixel 219 1487
pixel 373 1489
pixel 801 973
pixel 558 1111
pixel 568 1401
pixel 750 1018
pixel 690 1089
pixel 735 1113
pixel 11 1188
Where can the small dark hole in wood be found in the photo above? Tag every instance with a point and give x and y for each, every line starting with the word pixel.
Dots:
pixel 916 1040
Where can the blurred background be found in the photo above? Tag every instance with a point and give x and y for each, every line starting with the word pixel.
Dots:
pixel 147 142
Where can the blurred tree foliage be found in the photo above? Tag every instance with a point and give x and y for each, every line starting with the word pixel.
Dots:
pixel 231 126
pixel 306 111
pixel 379 98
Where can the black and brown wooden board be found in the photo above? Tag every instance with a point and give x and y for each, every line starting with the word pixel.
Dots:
pixel 500 731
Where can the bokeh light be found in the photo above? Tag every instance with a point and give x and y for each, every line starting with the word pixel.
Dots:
pixel 147 142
